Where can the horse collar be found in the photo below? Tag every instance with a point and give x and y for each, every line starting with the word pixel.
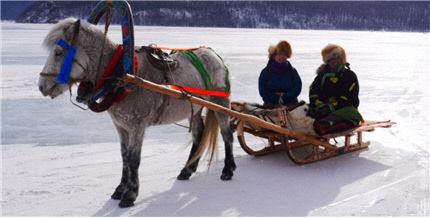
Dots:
pixel 107 87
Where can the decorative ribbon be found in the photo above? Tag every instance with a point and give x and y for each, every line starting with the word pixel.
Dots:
pixel 200 91
pixel 66 69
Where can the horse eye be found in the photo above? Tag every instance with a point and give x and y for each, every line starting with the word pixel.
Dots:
pixel 58 53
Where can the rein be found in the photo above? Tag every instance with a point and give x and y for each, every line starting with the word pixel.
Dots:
pixel 71 80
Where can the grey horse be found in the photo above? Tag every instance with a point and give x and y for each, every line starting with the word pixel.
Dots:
pixel 142 108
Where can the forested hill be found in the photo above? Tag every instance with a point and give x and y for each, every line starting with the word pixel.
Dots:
pixel 339 15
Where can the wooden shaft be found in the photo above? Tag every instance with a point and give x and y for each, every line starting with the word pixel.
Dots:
pixel 217 108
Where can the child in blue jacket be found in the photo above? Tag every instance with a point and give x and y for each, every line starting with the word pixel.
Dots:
pixel 279 83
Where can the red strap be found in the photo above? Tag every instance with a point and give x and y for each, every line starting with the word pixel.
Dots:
pixel 200 91
pixel 136 63
pixel 121 97
pixel 116 57
pixel 111 66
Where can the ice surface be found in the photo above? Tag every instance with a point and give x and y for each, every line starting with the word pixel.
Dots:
pixel 58 160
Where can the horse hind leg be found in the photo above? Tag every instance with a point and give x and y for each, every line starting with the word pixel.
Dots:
pixel 197 131
pixel 229 164
pixel 227 135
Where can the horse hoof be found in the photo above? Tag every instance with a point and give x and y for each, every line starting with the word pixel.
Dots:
pixel 180 177
pixel 185 174
pixel 116 195
pixel 126 203
pixel 227 172
pixel 226 177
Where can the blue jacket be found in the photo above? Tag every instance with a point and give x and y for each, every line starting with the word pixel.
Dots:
pixel 288 84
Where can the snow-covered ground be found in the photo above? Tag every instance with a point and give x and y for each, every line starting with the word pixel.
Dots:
pixel 58 160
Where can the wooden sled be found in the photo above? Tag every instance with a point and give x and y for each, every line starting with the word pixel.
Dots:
pixel 300 148
pixel 303 152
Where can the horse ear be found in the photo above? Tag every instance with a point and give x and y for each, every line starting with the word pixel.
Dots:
pixel 77 26
pixel 76 31
pixel 71 33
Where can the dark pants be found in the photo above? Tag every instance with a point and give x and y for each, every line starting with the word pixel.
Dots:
pixel 331 124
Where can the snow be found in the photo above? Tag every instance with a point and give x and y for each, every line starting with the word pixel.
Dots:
pixel 58 160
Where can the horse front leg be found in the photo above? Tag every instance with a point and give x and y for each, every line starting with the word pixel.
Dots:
pixel 132 162
pixel 123 135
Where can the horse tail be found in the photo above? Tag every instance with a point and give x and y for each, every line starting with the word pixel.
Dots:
pixel 209 139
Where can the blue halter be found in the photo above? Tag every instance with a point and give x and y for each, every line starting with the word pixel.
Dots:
pixel 66 69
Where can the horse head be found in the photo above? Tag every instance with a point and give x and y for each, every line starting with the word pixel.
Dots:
pixel 74 49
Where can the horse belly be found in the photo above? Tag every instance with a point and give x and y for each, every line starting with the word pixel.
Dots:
pixel 176 110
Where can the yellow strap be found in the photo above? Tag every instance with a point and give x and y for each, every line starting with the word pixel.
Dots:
pixel 333 101
pixel 314 96
pixel 343 97
pixel 352 87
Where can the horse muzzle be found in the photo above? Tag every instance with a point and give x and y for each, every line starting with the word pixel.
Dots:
pixel 49 88
pixel 49 91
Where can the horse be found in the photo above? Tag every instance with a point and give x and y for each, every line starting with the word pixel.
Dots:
pixel 141 108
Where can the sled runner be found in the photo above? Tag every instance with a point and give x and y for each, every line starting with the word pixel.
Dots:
pixel 280 134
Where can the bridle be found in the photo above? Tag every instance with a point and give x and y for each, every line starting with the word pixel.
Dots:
pixel 64 76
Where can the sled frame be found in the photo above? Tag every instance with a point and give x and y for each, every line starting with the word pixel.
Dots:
pixel 302 152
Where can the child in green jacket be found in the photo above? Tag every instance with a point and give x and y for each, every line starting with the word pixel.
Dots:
pixel 333 94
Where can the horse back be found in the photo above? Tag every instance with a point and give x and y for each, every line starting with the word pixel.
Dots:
pixel 188 74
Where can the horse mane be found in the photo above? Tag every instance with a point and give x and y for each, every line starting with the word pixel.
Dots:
pixel 63 30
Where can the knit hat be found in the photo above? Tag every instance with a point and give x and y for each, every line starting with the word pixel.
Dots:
pixel 332 51
pixel 283 48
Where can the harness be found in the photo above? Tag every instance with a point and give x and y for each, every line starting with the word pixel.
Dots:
pixel 127 25
pixel 167 64
pixel 108 87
